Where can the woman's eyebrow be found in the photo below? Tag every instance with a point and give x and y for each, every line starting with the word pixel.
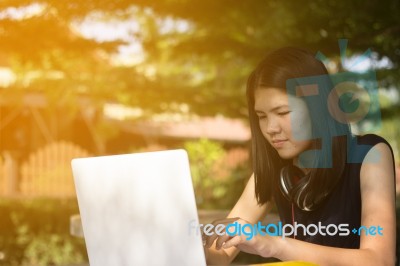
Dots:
pixel 273 109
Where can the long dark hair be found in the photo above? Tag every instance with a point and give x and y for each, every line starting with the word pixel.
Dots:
pixel 329 135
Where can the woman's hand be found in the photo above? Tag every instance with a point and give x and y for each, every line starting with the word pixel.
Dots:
pixel 245 238
pixel 206 252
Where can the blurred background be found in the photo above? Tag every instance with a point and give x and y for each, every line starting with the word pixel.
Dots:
pixel 96 77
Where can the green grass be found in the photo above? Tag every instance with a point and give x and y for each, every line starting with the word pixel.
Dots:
pixel 36 232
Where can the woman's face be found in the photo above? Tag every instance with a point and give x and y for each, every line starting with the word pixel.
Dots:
pixel 284 121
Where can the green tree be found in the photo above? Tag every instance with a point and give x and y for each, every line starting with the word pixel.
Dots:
pixel 207 62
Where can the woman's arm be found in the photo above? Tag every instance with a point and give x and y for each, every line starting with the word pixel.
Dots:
pixel 378 209
pixel 247 208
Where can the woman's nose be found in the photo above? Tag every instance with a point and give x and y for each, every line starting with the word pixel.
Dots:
pixel 272 126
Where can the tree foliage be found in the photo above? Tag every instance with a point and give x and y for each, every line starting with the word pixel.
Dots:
pixel 195 52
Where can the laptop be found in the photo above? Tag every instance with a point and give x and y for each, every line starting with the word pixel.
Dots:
pixel 138 209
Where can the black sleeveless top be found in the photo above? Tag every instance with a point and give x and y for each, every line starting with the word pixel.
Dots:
pixel 343 205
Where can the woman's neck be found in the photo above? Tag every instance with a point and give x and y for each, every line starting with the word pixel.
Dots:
pixel 298 164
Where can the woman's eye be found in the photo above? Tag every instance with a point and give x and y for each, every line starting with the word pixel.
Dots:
pixel 262 117
pixel 284 113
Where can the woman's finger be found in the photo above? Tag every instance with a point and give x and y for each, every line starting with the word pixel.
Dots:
pixel 234 241
pixel 221 240
pixel 210 240
pixel 206 252
pixel 211 236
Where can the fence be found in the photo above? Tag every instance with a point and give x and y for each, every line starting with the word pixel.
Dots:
pixel 46 172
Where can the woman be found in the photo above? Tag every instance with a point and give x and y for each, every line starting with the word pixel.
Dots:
pixel 306 160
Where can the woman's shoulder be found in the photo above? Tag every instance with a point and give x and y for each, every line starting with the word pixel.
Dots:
pixel 363 144
pixel 371 139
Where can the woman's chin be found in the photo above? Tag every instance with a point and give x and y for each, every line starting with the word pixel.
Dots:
pixel 286 155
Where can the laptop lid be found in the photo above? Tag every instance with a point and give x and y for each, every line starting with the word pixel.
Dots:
pixel 136 209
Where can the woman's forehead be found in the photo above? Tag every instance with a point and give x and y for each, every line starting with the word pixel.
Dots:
pixel 267 92
pixel 270 99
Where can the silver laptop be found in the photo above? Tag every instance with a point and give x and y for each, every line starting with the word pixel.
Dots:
pixel 137 209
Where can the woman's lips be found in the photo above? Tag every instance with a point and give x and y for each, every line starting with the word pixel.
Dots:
pixel 278 143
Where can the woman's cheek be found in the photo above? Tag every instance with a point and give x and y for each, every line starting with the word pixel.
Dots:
pixel 301 128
